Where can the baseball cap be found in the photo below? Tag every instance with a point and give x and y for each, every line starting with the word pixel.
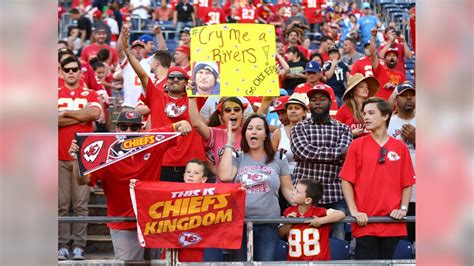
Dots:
pixel 365 5
pixel 283 92
pixel 185 30
pixel 280 104
pixel 392 50
pixel 184 49
pixel 312 66
pixel 320 89
pixel 367 43
pixel 298 98
pixel 138 42
pixel 404 87
pixel 146 38
pixel 97 14
pixel 178 69
pixel 99 28
pixel 333 49
pixel 130 117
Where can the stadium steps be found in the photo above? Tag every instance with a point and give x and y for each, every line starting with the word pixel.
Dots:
pixel 99 243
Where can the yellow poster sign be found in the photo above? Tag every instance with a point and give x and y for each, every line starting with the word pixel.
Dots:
pixel 234 60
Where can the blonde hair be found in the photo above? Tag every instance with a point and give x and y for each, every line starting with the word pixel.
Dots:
pixel 355 109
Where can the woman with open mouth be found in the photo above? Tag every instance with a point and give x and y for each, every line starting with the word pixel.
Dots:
pixel 230 110
pixel 260 169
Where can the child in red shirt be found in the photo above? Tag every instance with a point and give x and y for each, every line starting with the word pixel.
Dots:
pixel 310 240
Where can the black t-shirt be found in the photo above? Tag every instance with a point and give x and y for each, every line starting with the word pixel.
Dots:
pixel 338 80
pixel 184 12
pixel 85 24
pixel 291 83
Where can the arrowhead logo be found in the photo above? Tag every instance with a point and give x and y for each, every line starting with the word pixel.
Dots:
pixel 393 156
pixel 91 151
pixel 188 239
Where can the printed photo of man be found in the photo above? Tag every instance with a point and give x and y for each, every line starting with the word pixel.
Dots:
pixel 206 78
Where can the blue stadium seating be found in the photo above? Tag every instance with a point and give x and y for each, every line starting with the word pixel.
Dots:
pixel 404 250
pixel 339 249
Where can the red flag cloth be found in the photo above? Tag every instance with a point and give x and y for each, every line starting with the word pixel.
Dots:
pixel 188 215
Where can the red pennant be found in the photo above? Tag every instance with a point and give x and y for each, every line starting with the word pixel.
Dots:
pixel 98 150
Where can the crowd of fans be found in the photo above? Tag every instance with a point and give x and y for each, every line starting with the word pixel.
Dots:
pixel 345 118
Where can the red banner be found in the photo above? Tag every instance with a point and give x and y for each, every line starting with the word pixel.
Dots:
pixel 181 215
pixel 97 150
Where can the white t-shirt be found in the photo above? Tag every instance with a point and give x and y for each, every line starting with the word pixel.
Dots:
pixel 394 130
pixel 132 86
pixel 141 12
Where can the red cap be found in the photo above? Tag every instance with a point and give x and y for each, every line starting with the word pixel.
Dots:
pixel 254 99
pixel 280 104
pixel 179 69
pixel 109 12
pixel 322 89
pixel 184 49
pixel 392 50
pixel 97 14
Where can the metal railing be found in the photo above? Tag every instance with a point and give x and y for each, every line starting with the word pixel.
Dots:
pixel 249 222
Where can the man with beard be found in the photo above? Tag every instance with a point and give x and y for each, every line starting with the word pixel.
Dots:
pixel 166 108
pixel 403 127
pixel 100 34
pixel 396 41
pixel 321 158
pixel 206 77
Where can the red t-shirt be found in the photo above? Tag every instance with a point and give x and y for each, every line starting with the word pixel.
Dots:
pixel 247 14
pixel 306 242
pixel 144 166
pixel 264 11
pixel 201 7
pixel 74 100
pixel 393 76
pixel 287 7
pixel 92 50
pixel 165 110
pixel 378 187
pixel 305 87
pixel 214 15
pixel 345 116
pixel 310 8
pixel 381 74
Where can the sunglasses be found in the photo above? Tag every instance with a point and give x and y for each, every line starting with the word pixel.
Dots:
pixel 174 76
pixel 69 69
pixel 229 109
pixel 383 152
pixel 133 127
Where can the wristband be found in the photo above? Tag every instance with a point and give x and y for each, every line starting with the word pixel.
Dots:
pixel 174 127
pixel 404 208
pixel 228 146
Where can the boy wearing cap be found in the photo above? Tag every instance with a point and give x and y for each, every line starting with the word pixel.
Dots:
pixel 377 179
pixel 206 77
pixel 115 180
pixel 319 144
pixel 337 73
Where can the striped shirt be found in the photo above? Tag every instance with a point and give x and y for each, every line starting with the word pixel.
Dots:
pixel 319 149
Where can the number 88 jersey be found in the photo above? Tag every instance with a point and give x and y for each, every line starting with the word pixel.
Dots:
pixel 306 242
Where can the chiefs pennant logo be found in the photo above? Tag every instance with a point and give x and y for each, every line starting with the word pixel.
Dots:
pixel 188 239
pixel 91 151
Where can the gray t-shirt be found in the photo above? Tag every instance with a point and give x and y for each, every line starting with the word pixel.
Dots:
pixel 262 182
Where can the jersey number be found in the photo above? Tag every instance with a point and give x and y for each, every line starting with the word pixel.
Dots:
pixel 203 3
pixel 368 71
pixel 71 104
pixel 214 17
pixel 304 242
pixel 339 74
pixel 311 3
pixel 248 13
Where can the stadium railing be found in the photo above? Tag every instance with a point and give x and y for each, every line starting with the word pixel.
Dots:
pixel 171 256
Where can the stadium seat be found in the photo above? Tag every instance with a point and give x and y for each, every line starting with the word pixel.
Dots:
pixel 281 253
pixel 339 249
pixel 404 250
